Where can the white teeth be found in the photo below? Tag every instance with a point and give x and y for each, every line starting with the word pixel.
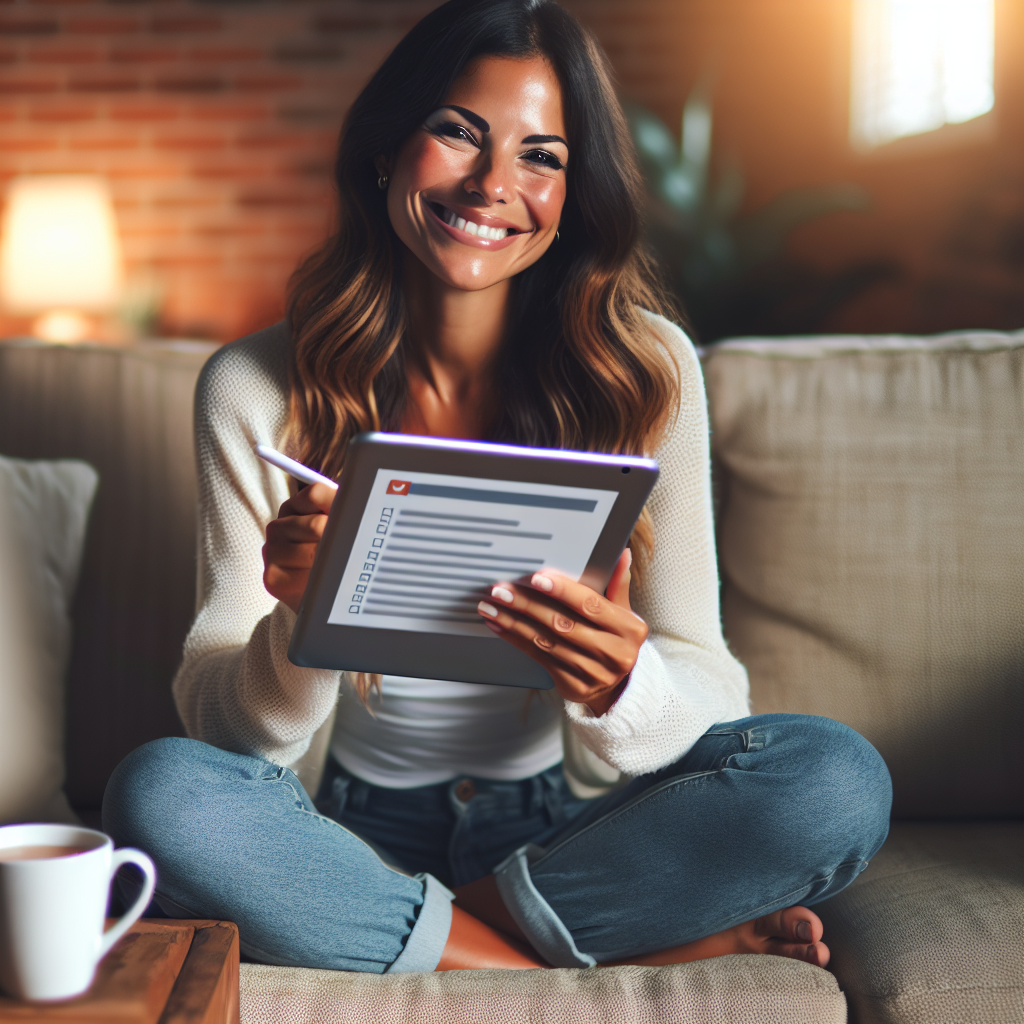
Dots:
pixel 480 230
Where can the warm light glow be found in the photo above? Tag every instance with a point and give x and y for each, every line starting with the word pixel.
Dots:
pixel 919 64
pixel 62 325
pixel 60 249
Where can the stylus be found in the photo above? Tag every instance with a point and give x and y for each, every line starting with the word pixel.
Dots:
pixel 293 468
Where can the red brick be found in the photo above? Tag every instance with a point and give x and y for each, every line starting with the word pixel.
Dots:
pixel 276 199
pixel 189 142
pixel 187 262
pixel 184 202
pixel 230 112
pixel 271 140
pixel 311 115
pixel 186 24
pixel 103 82
pixel 28 26
pixel 144 172
pixel 308 53
pixel 28 85
pixel 27 144
pixel 190 83
pixel 221 53
pixel 348 23
pixel 238 229
pixel 64 55
pixel 267 83
pixel 102 26
pixel 230 171
pixel 120 142
pixel 144 112
pixel 64 112
pixel 142 54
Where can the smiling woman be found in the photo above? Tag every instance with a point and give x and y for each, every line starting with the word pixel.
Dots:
pixel 485 282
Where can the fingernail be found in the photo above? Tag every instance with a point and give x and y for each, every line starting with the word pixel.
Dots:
pixel 542 583
pixel 487 609
pixel 494 627
pixel 502 594
pixel 803 929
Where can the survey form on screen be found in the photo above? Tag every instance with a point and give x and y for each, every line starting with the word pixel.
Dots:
pixel 430 547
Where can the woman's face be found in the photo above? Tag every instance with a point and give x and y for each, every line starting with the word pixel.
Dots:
pixel 477 191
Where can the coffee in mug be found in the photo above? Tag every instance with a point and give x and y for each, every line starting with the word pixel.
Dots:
pixel 40 852
pixel 54 884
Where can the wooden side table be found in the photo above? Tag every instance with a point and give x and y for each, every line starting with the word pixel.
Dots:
pixel 161 972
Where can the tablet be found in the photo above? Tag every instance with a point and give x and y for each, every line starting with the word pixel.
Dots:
pixel 422 528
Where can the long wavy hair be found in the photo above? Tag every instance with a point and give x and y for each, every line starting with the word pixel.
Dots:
pixel 579 368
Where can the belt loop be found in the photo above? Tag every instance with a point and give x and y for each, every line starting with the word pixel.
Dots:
pixel 339 794
pixel 552 799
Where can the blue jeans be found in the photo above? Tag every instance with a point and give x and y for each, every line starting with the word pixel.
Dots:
pixel 760 814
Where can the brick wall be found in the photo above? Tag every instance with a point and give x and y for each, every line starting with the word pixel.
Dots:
pixel 216 120
pixel 215 124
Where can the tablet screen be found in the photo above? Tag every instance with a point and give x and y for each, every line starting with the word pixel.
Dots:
pixel 430 546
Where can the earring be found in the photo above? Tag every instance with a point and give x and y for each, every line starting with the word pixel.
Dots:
pixel 382 182
pixel 557 236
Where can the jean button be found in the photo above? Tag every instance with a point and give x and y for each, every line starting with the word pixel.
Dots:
pixel 465 790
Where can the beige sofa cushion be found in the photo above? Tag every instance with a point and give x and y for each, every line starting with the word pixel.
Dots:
pixel 726 990
pixel 933 929
pixel 44 508
pixel 128 413
pixel 871 542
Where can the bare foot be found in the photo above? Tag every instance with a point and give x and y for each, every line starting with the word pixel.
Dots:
pixel 474 945
pixel 794 932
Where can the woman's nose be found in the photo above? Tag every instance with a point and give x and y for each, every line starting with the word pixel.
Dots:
pixel 491 179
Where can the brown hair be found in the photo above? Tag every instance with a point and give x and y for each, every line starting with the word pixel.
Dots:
pixel 580 368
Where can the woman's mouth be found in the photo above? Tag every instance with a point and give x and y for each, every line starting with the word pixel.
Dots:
pixel 460 223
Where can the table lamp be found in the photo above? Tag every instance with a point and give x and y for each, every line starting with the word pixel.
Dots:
pixel 60 256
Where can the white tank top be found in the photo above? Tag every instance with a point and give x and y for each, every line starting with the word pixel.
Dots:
pixel 426 731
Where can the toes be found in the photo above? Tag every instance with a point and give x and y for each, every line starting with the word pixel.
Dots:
pixel 798 924
pixel 816 953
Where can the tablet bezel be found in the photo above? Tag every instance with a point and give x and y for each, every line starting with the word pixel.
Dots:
pixel 317 643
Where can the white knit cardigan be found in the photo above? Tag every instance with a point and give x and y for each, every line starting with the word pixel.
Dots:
pixel 236 688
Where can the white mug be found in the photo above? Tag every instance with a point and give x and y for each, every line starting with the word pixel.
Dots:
pixel 52 908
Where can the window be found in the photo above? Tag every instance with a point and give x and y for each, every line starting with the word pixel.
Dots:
pixel 917 65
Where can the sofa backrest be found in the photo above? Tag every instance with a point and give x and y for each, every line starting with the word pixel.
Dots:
pixel 127 412
pixel 871 544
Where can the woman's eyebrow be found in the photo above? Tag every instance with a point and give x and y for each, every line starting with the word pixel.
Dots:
pixel 474 119
pixel 533 139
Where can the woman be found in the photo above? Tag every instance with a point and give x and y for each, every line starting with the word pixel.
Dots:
pixel 485 282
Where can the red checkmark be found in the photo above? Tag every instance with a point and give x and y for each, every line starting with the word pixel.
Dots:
pixel 398 487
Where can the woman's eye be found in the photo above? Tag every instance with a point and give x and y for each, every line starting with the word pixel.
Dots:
pixel 546 159
pixel 451 130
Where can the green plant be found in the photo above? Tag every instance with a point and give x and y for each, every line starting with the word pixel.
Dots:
pixel 728 267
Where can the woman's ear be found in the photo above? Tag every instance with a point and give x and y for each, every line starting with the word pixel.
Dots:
pixel 381 166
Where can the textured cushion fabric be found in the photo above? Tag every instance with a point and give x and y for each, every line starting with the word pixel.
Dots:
pixel 725 990
pixel 933 930
pixel 44 507
pixel 871 542
pixel 128 412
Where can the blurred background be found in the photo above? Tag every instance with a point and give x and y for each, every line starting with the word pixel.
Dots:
pixel 813 165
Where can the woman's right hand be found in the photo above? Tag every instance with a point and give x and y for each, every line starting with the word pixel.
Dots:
pixel 292 540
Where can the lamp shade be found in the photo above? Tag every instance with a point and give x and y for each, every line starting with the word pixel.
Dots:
pixel 60 248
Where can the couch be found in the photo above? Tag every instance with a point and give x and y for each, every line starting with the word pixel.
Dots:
pixel 870 515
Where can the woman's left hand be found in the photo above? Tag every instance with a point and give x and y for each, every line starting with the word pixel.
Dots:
pixel 587 642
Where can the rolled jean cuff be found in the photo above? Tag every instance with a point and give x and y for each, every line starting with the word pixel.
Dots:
pixel 429 934
pixel 539 923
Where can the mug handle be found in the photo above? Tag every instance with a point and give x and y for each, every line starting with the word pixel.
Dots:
pixel 148 869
